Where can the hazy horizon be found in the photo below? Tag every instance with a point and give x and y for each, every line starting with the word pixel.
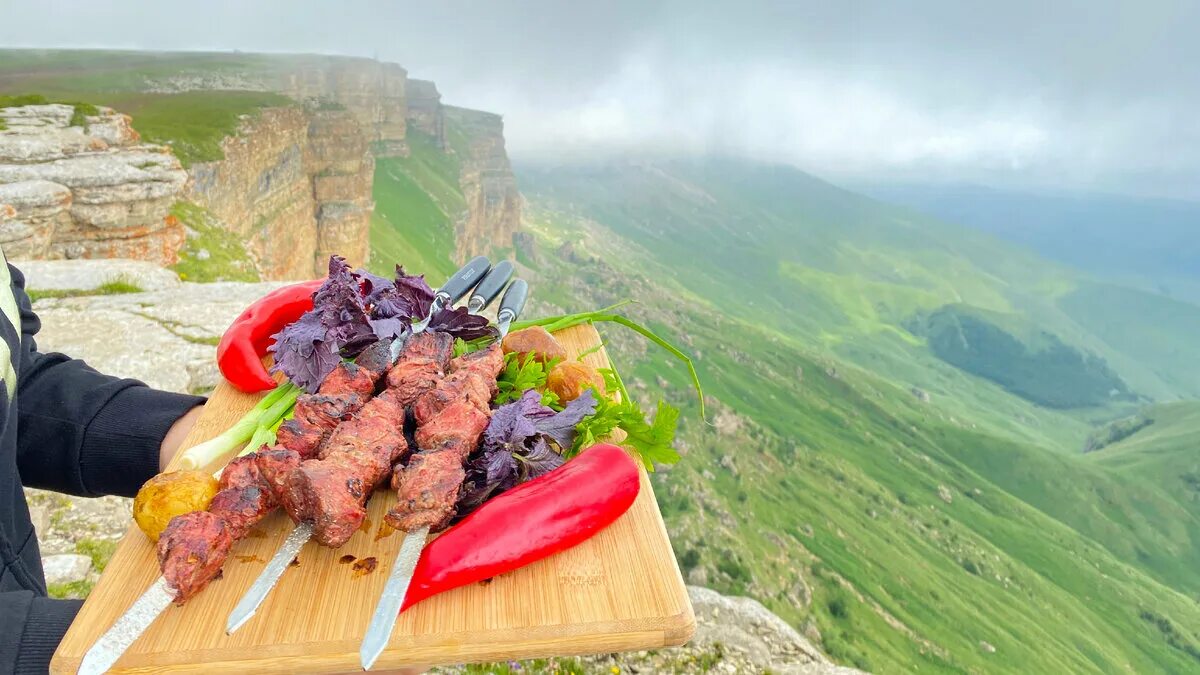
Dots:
pixel 1022 96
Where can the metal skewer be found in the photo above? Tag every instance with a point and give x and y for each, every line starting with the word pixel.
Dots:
pixel 489 286
pixel 379 632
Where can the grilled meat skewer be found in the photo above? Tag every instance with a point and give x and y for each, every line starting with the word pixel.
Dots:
pixel 450 419
pixel 194 546
pixel 429 487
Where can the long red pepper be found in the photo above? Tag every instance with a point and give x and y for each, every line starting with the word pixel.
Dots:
pixel 529 522
pixel 243 346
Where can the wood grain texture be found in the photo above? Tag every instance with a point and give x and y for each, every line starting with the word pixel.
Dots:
pixel 619 591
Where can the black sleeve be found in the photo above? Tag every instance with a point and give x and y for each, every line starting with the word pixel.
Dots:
pixel 30 629
pixel 82 432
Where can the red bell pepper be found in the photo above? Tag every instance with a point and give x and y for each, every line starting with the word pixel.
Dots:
pixel 243 346
pixel 529 522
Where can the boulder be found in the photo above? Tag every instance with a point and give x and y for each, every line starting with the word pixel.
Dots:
pixel 171 332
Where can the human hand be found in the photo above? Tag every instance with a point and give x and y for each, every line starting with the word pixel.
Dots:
pixel 175 435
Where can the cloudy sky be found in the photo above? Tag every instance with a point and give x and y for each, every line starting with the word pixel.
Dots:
pixel 1086 95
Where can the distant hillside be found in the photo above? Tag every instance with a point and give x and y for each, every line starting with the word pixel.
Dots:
pixel 780 247
pixel 1155 242
pixel 906 514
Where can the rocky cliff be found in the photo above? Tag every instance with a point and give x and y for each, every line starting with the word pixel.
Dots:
pixel 374 93
pixel 295 181
pixel 488 184
pixel 295 186
pixel 79 185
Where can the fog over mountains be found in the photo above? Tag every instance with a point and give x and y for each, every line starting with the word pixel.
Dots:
pixel 1018 95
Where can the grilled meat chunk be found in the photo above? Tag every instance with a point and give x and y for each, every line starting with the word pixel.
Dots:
pixel 422 364
pixel 244 497
pixel 460 421
pixel 468 385
pixel 428 491
pixel 329 496
pixel 274 464
pixel 191 551
pixel 331 492
pixel 344 391
pixel 451 417
pixel 488 362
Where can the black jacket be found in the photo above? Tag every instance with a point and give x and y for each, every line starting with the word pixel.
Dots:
pixel 64 427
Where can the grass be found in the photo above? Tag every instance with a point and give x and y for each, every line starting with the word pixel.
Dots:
pixel 99 550
pixel 79 114
pixel 417 199
pixel 119 285
pixel 193 123
pixel 71 589
pixel 210 252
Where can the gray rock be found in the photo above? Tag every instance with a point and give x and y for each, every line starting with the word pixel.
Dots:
pixel 164 337
pixel 745 626
pixel 66 567
pixel 86 275
pixel 40 517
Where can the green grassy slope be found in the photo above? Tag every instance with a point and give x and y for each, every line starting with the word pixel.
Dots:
pixel 857 512
pixel 776 246
pixel 417 199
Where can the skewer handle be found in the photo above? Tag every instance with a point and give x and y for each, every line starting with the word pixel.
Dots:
pixel 512 305
pixel 463 281
pixel 490 287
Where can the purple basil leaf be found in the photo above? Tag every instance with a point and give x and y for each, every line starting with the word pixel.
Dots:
pixel 303 353
pixel 540 459
pixel 561 427
pixel 487 475
pixel 414 289
pixel 372 285
pixel 461 324
pixel 389 328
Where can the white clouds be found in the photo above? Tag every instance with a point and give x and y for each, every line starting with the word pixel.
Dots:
pixel 1019 92
pixel 817 118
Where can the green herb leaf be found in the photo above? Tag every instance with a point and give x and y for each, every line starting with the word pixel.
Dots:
pixel 520 375
pixel 653 441
pixel 462 346
pixel 557 323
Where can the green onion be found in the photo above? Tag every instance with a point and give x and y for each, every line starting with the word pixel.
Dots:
pixel 272 407
pixel 556 323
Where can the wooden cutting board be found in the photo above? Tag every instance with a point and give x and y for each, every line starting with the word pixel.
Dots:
pixel 619 591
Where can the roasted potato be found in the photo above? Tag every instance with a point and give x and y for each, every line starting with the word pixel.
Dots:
pixel 171 494
pixel 570 378
pixel 534 340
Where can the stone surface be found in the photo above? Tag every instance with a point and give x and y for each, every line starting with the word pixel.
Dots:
pixel 66 567
pixel 425 109
pixel 371 91
pixel 164 337
pixel 88 191
pixel 86 275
